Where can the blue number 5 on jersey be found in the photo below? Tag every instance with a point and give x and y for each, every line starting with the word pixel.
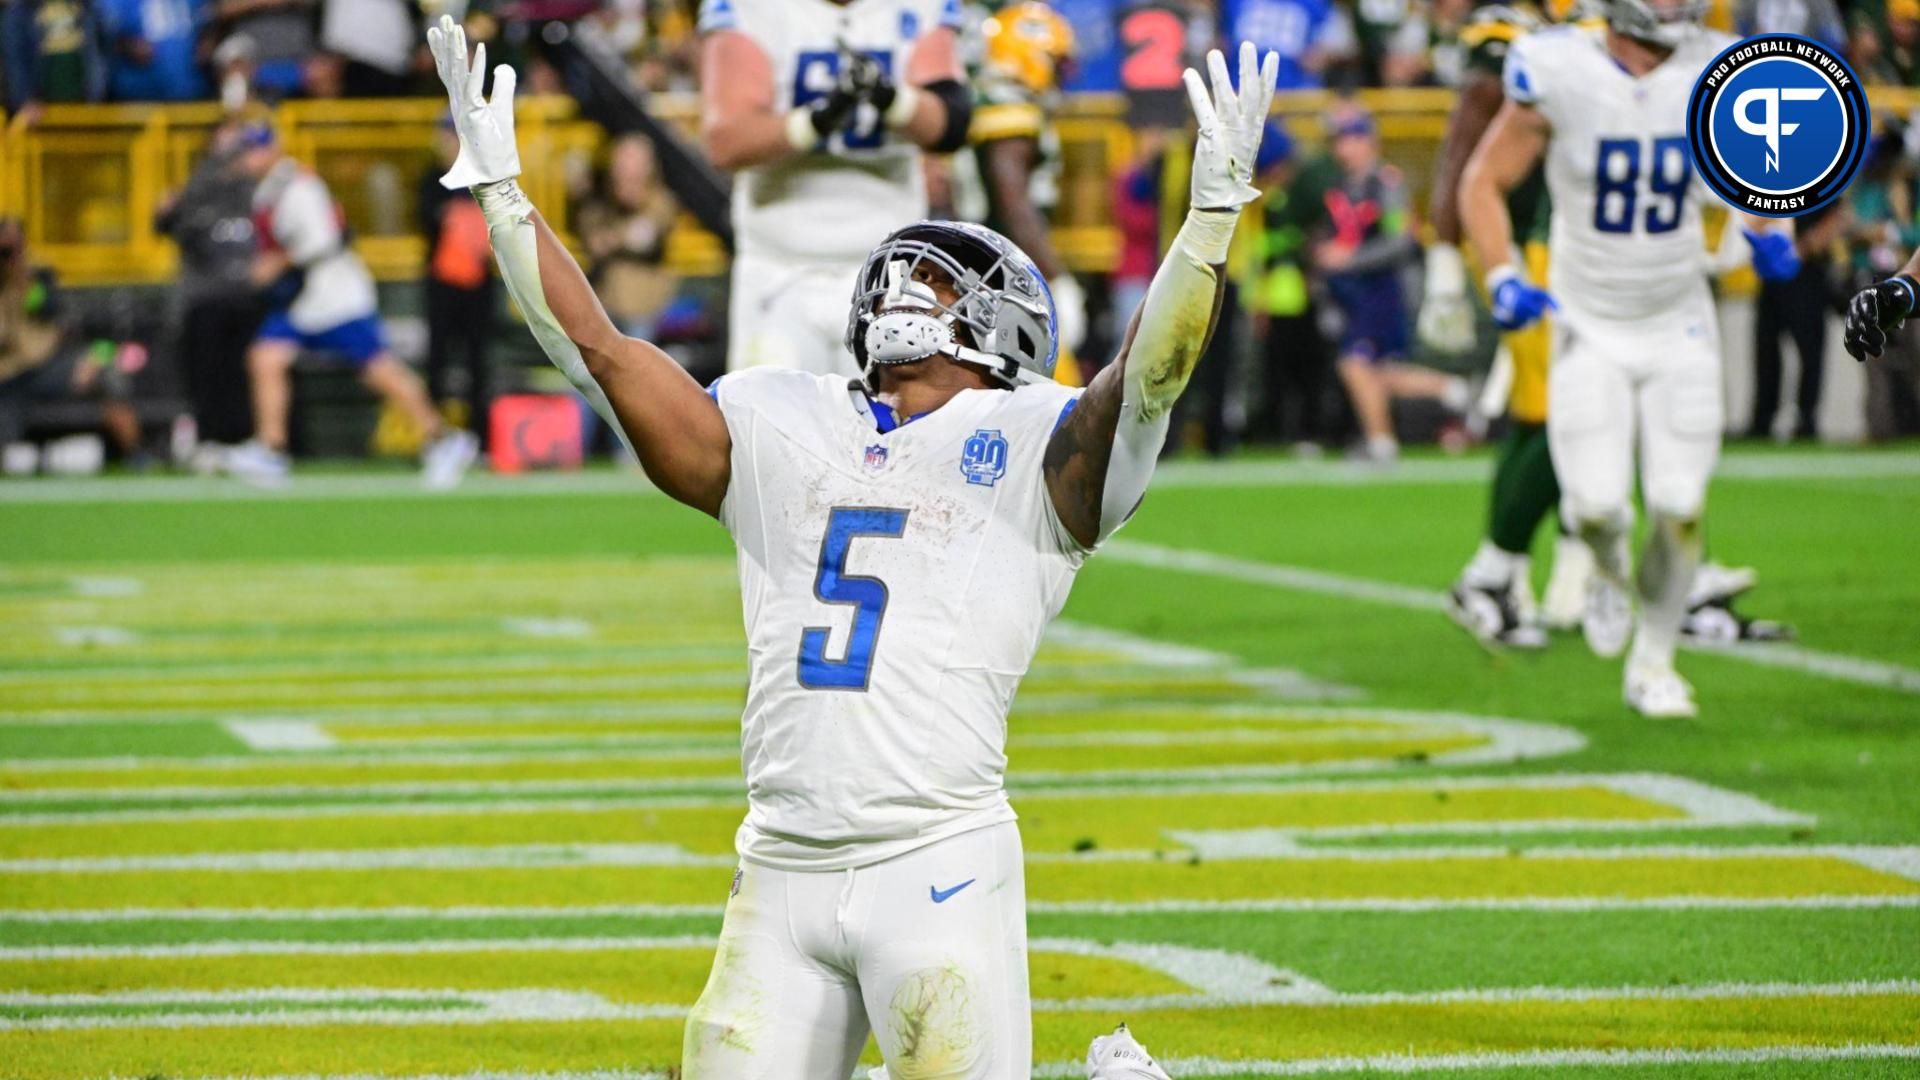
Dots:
pixel 867 595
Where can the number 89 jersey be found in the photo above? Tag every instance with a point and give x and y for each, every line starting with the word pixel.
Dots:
pixel 895 585
pixel 1626 240
pixel 862 182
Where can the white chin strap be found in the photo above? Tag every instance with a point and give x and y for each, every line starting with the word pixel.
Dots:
pixel 907 328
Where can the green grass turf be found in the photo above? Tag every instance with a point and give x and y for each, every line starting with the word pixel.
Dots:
pixel 1833 555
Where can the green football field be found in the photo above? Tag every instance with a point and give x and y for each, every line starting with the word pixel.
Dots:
pixel 351 781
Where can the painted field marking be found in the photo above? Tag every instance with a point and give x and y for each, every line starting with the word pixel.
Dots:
pixel 1200 1068
pixel 508 1005
pixel 536 627
pixel 277 735
pixel 1734 464
pixel 1694 802
pixel 100 585
pixel 90 637
pixel 1303 579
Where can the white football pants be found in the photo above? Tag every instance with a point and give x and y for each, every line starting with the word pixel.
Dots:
pixel 927 950
pixel 1618 392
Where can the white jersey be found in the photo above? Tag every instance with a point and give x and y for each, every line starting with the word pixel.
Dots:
pixel 296 214
pixel 896 586
pixel 837 204
pixel 1626 240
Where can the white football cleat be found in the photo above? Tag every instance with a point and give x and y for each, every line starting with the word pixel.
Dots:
pixel 1119 1057
pixel 1716 583
pixel 253 463
pixel 1656 691
pixel 447 458
pixel 1494 616
pixel 1566 597
pixel 1607 621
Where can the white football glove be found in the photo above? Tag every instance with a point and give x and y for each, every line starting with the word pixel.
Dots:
pixel 1230 127
pixel 1070 308
pixel 1446 312
pixel 488 153
pixel 1119 1057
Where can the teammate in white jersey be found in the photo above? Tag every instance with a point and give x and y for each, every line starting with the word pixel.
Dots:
pixel 820 108
pixel 904 538
pixel 1636 360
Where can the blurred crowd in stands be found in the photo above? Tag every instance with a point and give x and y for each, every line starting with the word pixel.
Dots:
pixel 1315 294
pixel 187 50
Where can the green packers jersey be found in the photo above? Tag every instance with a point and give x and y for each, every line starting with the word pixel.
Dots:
pixel 1490 31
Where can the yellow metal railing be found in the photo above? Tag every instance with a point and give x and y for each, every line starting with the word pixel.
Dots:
pixel 87 179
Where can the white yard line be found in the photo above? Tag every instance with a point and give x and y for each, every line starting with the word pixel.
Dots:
pixel 472 913
pixel 269 735
pixel 1695 802
pixel 1279 845
pixel 1201 1068
pixel 496 1006
pixel 1836 666
pixel 1734 464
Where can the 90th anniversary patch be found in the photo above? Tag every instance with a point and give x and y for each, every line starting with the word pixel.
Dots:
pixel 1778 125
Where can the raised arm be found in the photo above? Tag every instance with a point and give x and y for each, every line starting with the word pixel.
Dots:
pixel 671 423
pixel 1099 461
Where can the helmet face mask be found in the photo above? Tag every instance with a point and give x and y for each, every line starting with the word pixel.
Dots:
pixel 1667 25
pixel 1000 318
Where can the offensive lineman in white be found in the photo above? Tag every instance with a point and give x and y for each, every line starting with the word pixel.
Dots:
pixel 1636 352
pixel 904 538
pixel 820 108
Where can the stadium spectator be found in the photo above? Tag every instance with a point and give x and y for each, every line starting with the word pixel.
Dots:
pixel 1817 19
pixel 153 48
pixel 379 44
pixel 1884 44
pixel 1797 308
pixel 211 221
pixel 1136 213
pixel 1394 42
pixel 43 357
pixel 1367 245
pixel 1309 35
pixel 460 289
pixel 49 53
pixel 281 35
pixel 624 222
pixel 1286 328
pixel 233 69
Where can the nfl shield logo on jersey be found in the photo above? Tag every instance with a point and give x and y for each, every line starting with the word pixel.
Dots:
pixel 983 459
pixel 876 458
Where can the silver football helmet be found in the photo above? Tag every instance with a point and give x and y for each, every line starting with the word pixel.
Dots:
pixel 1668 25
pixel 1002 320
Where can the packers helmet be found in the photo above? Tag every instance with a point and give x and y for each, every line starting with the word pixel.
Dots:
pixel 1028 43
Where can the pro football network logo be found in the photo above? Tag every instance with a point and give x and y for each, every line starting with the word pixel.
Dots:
pixel 1777 125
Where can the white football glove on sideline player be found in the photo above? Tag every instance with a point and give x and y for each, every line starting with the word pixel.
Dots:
pixel 1119 1057
pixel 488 153
pixel 1446 312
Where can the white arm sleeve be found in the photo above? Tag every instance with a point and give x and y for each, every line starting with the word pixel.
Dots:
pixel 1173 330
pixel 516 248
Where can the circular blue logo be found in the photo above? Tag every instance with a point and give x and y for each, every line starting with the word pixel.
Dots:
pixel 1777 125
